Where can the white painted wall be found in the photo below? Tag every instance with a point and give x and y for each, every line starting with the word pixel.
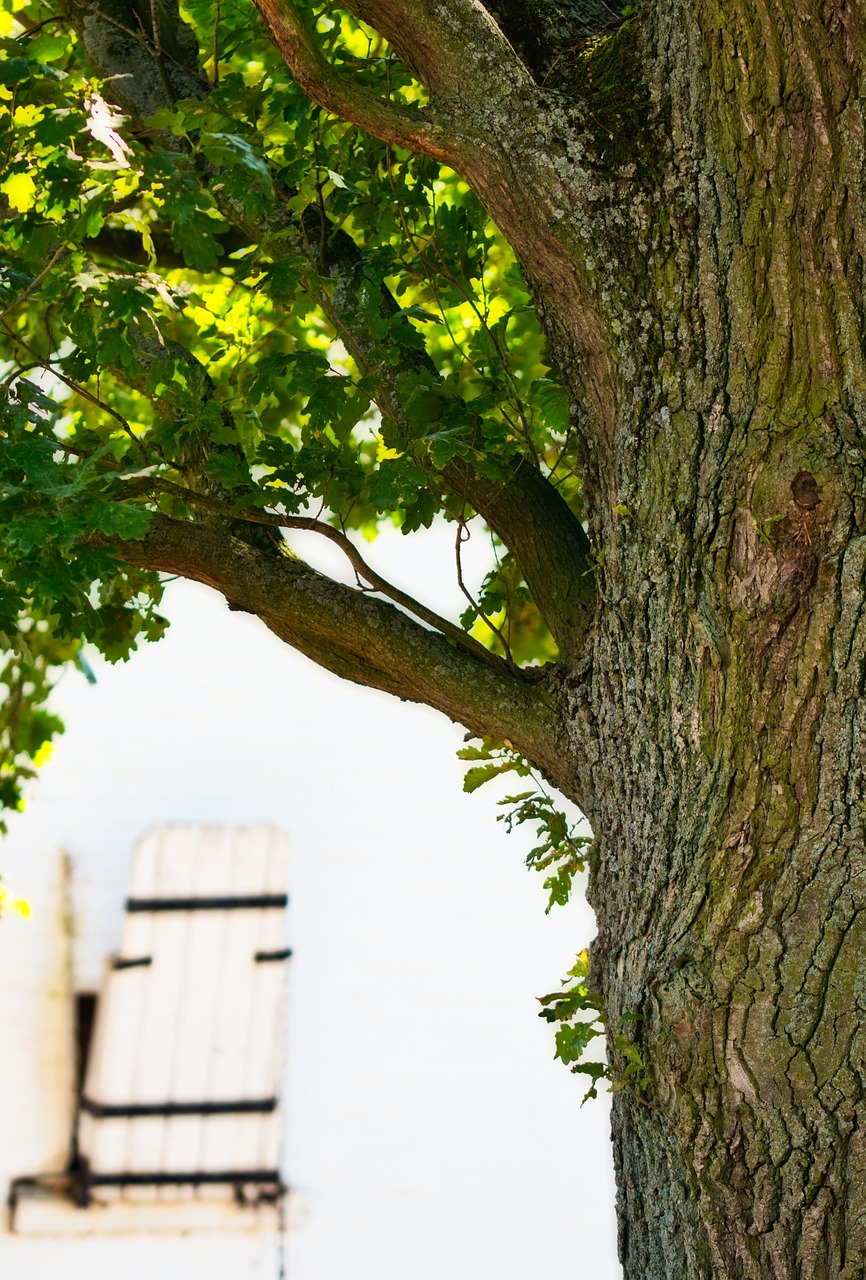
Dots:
pixel 430 1131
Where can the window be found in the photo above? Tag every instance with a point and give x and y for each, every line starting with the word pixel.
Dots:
pixel 182 1075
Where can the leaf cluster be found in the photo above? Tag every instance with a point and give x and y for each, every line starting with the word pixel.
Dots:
pixel 31 660
pixel 168 337
pixel 559 848
pixel 580 1017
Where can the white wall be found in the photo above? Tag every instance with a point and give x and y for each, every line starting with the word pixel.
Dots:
pixel 429 1128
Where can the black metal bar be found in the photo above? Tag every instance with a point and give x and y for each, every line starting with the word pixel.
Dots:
pixel 252 902
pixel 129 1110
pixel 81 1181
pixel 53 1183
pixel 184 1179
pixel 137 962
pixel 265 957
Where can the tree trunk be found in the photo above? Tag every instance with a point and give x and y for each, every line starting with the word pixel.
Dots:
pixel 718 720
pixel 727 788
pixel 727 785
pixel 714 315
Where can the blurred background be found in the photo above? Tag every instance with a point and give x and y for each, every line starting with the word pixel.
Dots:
pixel 428 1130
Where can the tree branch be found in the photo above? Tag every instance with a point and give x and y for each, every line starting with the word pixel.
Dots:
pixel 543 34
pixel 360 638
pixel 400 125
pixel 525 510
pixel 448 47
pixel 353 555
pixel 140 78
pixel 209 495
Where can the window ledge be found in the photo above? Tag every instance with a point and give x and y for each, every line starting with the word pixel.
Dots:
pixel 53 1215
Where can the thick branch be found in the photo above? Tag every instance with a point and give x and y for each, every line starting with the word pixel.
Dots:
pixel 550 545
pixel 494 125
pixel 142 75
pixel 339 93
pixel 362 639
pixel 353 555
pixel 451 48
pixel 525 509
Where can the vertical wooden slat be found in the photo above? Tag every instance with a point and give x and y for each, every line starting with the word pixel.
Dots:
pixel 268 994
pixel 228 1138
pixel 161 1015
pixel 114 1053
pixel 202 1022
pixel 202 977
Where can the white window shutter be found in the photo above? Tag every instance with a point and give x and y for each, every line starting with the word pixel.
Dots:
pixel 182 1090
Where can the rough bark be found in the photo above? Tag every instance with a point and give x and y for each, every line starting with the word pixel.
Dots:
pixel 726 676
pixel 685 195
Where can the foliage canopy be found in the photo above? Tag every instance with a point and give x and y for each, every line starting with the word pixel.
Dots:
pixel 169 341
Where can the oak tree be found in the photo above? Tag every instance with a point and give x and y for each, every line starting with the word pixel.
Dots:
pixel 587 277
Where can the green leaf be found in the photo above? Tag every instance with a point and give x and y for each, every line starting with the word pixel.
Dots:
pixel 13 71
pixel 117 520
pixel 251 178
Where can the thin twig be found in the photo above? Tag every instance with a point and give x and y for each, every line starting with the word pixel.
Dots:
pixel 79 390
pixel 461 529
pixel 313 525
pixel 33 28
pixel 216 47
pixel 34 284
